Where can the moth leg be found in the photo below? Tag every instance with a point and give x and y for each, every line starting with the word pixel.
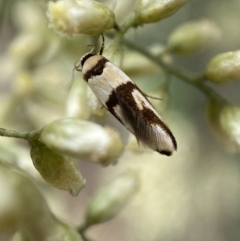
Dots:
pixel 102 47
pixel 152 97
pixel 77 66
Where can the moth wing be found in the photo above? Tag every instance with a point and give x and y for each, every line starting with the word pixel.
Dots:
pixel 148 128
pixel 130 105
pixel 106 95
pixel 120 95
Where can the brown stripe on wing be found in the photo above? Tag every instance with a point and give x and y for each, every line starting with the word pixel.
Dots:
pixel 97 69
pixel 141 121
pixel 111 103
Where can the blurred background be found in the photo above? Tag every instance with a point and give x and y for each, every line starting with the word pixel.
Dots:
pixel 193 195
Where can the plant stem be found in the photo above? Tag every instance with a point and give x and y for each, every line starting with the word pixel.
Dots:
pixel 17 134
pixel 193 79
pixel 82 229
pixel 12 133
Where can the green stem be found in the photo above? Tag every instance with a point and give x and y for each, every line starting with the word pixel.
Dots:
pixel 17 134
pixel 12 133
pixel 82 229
pixel 180 73
pixel 193 79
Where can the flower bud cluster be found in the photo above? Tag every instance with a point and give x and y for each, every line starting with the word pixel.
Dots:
pixel 224 68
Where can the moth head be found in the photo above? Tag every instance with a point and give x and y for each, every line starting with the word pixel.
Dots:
pixel 85 57
pixel 79 64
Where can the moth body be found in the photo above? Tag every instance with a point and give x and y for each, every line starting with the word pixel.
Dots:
pixel 122 97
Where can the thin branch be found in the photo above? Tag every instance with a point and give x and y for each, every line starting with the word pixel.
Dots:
pixel 12 133
pixel 81 230
pixel 195 80
pixel 180 73
pixel 18 134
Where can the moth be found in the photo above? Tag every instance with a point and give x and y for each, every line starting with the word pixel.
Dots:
pixel 122 97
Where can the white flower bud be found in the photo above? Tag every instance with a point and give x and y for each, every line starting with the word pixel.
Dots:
pixel 28 16
pixel 136 64
pixel 58 170
pixel 23 83
pixel 26 46
pixel 224 120
pixel 83 139
pixel 230 122
pixel 224 68
pixel 76 104
pixel 151 11
pixel 94 103
pixel 69 17
pixel 110 199
pixel 193 36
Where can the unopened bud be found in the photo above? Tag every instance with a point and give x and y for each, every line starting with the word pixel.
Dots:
pixel 83 139
pixel 76 104
pixel 151 11
pixel 109 200
pixel 224 120
pixel 22 12
pixel 230 122
pixel 94 103
pixel 69 17
pixel 135 64
pixel 26 47
pixel 193 36
pixel 224 68
pixel 56 169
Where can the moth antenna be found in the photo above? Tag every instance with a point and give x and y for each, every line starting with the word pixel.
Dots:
pixel 69 85
pixel 102 47
pixel 93 48
pixel 77 66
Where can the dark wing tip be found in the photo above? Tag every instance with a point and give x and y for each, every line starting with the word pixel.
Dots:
pixel 174 142
pixel 168 152
pixel 165 152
